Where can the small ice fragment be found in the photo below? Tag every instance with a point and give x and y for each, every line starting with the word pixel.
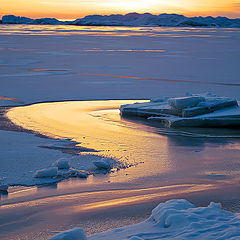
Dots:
pixel 185 102
pixel 62 163
pixel 46 173
pixel 73 234
pixel 104 163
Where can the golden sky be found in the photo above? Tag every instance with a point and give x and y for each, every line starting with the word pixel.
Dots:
pixel 72 9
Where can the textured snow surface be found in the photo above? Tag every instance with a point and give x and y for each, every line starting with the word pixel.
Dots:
pixel 177 220
pixel 132 19
pixel 29 160
pixel 74 234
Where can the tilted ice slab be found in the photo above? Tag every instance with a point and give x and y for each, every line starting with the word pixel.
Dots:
pixel 175 220
pixel 191 111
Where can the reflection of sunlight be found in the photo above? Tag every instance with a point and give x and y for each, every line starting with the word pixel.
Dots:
pixel 167 191
pixel 149 150
pixel 108 198
pixel 97 125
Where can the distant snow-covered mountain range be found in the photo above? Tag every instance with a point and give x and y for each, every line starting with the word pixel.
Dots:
pixel 132 19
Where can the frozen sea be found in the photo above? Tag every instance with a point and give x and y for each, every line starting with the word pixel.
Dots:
pixel 69 74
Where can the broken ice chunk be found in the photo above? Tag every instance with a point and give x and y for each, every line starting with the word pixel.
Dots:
pixel 185 102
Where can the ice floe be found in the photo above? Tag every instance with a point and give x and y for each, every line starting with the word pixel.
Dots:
pixel 191 111
pixel 175 219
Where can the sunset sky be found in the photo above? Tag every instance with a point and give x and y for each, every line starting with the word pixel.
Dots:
pixel 71 9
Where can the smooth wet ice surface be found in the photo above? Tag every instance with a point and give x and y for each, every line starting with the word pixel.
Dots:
pixel 52 63
pixel 170 154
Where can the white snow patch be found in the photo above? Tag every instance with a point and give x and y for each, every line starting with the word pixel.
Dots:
pixel 178 220
pixel 175 220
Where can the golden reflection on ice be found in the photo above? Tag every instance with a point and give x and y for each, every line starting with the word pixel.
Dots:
pixel 108 198
pixel 98 125
pixel 171 191
pixel 121 31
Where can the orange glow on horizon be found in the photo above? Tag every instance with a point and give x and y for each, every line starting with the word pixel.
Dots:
pixel 73 9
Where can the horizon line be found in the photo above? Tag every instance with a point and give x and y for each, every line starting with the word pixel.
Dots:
pixel 73 18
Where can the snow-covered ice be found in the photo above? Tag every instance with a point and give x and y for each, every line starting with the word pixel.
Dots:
pixel 185 102
pixel 29 160
pixel 176 220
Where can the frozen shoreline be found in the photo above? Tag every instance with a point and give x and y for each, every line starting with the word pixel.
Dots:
pixel 186 59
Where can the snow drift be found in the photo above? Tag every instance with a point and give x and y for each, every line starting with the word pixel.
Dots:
pixel 176 220
pixel 132 19
pixel 190 111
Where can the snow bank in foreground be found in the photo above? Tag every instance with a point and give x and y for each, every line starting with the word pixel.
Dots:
pixel 132 19
pixel 177 220
pixel 191 111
